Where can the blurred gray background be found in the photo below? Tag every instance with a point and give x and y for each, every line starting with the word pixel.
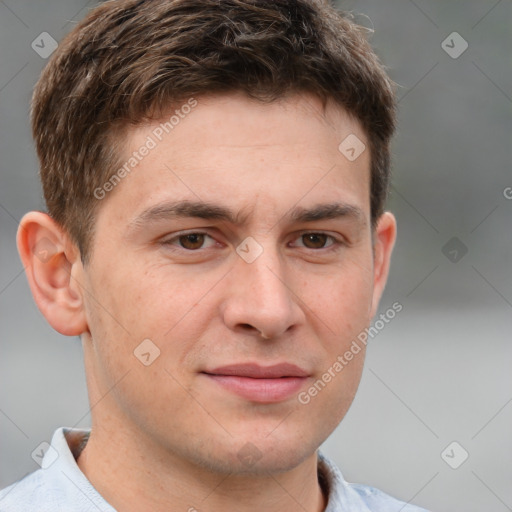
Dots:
pixel 436 374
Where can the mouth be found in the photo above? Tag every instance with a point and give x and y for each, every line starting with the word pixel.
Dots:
pixel 257 383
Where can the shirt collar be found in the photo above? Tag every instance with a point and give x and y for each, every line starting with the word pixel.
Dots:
pixel 64 476
pixel 341 496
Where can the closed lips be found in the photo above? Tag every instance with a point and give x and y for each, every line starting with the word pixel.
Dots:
pixel 255 371
pixel 261 384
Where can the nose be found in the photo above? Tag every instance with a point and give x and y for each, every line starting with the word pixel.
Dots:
pixel 260 298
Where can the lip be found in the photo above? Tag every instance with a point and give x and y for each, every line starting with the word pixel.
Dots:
pixel 256 371
pixel 265 384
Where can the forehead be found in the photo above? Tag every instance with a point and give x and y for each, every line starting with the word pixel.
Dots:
pixel 245 154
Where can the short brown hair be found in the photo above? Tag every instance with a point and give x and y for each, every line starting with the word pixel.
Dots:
pixel 129 61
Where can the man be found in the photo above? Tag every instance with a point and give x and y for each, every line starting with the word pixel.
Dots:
pixel 215 175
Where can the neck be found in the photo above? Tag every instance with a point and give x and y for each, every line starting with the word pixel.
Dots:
pixel 133 475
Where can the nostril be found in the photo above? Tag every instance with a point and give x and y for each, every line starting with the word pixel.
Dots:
pixel 249 327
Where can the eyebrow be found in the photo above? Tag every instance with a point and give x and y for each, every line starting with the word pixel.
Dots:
pixel 210 211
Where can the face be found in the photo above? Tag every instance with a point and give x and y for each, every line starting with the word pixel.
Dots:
pixel 244 219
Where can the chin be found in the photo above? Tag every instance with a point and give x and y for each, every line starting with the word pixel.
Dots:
pixel 244 455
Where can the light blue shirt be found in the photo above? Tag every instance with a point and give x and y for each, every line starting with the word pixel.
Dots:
pixel 60 485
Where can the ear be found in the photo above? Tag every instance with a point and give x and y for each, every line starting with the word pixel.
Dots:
pixel 384 241
pixel 51 261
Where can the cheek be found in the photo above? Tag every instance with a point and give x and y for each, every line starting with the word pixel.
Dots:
pixel 342 301
pixel 342 307
pixel 122 313
pixel 167 308
pixel 143 301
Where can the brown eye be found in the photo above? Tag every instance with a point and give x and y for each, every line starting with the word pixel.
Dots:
pixel 192 241
pixel 315 240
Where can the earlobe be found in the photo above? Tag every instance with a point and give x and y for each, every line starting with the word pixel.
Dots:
pixel 49 259
pixel 385 237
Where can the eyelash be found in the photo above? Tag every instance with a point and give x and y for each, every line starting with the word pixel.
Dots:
pixel 335 244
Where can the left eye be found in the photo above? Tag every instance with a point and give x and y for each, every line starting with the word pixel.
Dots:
pixel 189 241
pixel 316 240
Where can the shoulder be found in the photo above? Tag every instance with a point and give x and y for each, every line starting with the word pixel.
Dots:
pixel 377 500
pixel 29 493
pixel 344 495
pixel 59 484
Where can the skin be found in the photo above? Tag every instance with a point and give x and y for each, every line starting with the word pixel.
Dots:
pixel 165 436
